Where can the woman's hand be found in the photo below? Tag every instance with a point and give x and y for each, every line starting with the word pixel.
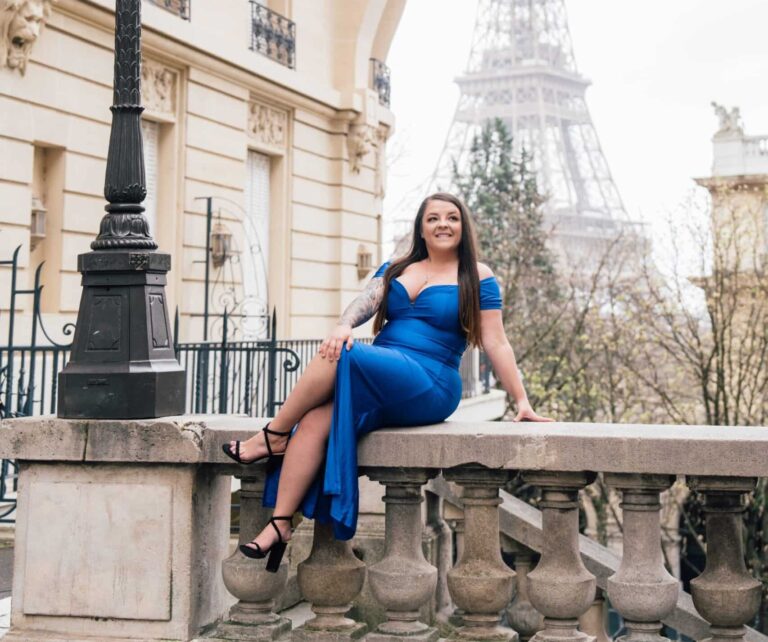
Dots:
pixel 525 413
pixel 331 348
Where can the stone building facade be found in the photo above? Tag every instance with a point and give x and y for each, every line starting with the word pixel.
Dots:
pixel 738 188
pixel 271 109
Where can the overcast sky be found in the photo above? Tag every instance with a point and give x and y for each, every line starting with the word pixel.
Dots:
pixel 655 66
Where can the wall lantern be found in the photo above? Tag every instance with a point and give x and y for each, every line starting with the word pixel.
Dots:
pixel 221 244
pixel 37 222
pixel 364 262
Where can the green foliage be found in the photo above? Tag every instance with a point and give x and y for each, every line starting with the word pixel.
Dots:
pixel 503 195
pixel 622 342
pixel 553 321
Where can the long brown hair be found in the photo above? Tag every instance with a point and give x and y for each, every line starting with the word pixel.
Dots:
pixel 469 281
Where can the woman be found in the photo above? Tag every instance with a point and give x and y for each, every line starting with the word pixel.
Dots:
pixel 434 301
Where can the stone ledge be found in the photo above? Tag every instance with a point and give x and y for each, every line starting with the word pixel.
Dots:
pixel 735 451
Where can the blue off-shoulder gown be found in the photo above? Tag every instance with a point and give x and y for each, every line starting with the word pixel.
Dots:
pixel 408 377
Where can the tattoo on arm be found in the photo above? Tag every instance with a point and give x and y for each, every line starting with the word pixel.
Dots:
pixel 365 305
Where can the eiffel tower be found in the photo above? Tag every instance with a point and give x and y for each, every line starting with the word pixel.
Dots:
pixel 522 70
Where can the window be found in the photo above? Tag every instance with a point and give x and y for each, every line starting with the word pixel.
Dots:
pixel 179 7
pixel 149 132
pixel 255 254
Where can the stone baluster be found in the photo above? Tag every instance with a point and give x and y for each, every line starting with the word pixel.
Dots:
pixel 403 580
pixel 725 594
pixel 247 579
pixel 642 590
pixel 444 553
pixel 521 614
pixel 560 587
pixel 481 584
pixel 593 621
pixel 454 517
pixel 330 578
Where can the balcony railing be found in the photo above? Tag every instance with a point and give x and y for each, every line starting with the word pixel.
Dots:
pixel 180 7
pixel 461 468
pixel 380 80
pixel 273 35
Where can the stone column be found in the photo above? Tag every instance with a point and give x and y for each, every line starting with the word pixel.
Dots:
pixel 725 594
pixel 521 614
pixel 481 584
pixel 561 588
pixel 403 581
pixel 247 579
pixel 642 590
pixel 330 578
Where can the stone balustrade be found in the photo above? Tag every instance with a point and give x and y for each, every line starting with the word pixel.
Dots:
pixel 123 534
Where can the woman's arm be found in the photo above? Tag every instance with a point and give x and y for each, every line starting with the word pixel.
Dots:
pixel 362 308
pixel 365 305
pixel 502 356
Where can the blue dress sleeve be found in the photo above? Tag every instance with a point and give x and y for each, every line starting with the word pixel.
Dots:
pixel 490 294
pixel 381 270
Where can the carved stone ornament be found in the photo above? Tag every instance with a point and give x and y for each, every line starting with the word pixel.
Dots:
pixel 266 124
pixel 361 140
pixel 158 87
pixel 382 134
pixel 729 121
pixel 21 22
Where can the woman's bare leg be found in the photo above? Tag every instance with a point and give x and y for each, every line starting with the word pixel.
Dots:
pixel 303 457
pixel 313 388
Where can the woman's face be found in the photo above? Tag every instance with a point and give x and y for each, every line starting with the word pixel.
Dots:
pixel 441 226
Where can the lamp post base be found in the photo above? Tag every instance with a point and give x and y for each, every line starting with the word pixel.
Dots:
pixel 123 365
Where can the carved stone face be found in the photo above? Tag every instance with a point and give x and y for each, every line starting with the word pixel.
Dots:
pixel 20 24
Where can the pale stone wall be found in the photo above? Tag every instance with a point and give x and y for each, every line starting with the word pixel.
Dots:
pixel 214 99
pixel 739 214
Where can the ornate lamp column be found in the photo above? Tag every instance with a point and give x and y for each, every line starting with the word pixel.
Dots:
pixel 123 364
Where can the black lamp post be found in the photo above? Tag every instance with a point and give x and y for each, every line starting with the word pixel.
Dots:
pixel 123 364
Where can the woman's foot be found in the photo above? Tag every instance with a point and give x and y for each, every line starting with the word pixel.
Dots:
pixel 269 535
pixel 256 447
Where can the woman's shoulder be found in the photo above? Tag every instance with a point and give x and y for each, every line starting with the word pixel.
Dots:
pixel 483 271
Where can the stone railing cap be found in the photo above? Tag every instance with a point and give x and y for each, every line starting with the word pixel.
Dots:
pixel 664 449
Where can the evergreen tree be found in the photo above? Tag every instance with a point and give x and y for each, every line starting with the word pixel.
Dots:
pixel 503 195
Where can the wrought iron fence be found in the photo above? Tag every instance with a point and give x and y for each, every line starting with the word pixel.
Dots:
pixel 273 35
pixel 225 376
pixel 243 377
pixel 180 7
pixel 380 80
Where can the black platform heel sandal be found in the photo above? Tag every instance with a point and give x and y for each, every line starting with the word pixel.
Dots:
pixel 271 457
pixel 275 551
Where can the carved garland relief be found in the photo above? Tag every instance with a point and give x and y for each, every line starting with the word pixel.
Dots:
pixel 267 125
pixel 158 87
pixel 21 22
